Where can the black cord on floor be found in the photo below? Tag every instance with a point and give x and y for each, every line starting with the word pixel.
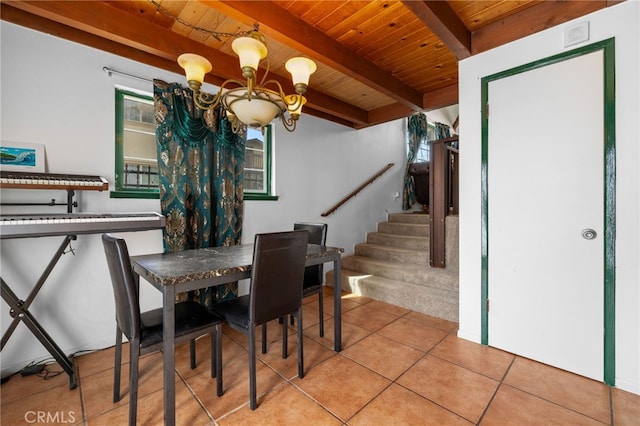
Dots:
pixel 48 374
pixel 41 368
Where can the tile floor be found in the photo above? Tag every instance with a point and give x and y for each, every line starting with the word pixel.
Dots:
pixel 397 368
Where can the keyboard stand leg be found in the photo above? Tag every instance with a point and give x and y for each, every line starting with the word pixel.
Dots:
pixel 19 312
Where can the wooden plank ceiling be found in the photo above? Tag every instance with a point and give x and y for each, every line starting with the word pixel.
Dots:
pixel 377 60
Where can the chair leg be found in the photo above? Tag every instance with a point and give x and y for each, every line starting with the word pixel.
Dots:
pixel 133 380
pixel 321 309
pixel 285 339
pixel 252 367
pixel 214 354
pixel 192 353
pixel 117 366
pixel 218 359
pixel 300 348
pixel 264 338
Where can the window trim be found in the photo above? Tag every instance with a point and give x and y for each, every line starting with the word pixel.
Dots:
pixel 121 191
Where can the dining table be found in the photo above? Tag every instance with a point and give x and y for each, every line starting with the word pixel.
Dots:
pixel 181 271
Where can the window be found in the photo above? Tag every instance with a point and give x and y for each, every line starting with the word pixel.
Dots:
pixel 257 165
pixel 424 151
pixel 136 161
pixel 136 158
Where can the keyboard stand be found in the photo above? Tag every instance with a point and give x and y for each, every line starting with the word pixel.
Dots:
pixel 20 312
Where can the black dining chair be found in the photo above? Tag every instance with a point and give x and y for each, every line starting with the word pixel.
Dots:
pixel 143 330
pixel 312 281
pixel 275 292
pixel 313 275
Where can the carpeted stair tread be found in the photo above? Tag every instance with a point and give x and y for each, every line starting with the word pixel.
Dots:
pixel 408 242
pixel 411 229
pixel 417 218
pixel 420 298
pixel 396 254
pixel 418 274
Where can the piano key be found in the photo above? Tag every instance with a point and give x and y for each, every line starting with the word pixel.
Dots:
pixel 23 226
pixel 26 180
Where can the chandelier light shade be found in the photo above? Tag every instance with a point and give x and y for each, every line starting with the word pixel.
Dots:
pixel 260 110
pixel 195 67
pixel 250 51
pixel 300 69
pixel 249 103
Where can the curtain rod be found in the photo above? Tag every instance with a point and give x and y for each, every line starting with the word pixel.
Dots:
pixel 110 71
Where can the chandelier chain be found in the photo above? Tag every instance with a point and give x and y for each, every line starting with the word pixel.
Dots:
pixel 212 33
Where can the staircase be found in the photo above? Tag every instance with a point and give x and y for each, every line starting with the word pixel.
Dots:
pixel 393 266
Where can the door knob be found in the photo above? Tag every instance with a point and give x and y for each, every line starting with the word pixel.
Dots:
pixel 589 234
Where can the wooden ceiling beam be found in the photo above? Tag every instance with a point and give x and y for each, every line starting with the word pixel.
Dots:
pixel 333 107
pixel 544 15
pixel 107 28
pixel 433 100
pixel 56 29
pixel 331 117
pixel 387 113
pixel 288 29
pixel 441 98
pixel 445 24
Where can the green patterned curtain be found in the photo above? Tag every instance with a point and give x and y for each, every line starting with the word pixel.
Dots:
pixel 417 131
pixel 442 131
pixel 201 169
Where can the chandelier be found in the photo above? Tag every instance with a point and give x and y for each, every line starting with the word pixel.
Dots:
pixel 249 104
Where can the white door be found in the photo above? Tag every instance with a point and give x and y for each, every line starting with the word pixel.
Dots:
pixel 545 187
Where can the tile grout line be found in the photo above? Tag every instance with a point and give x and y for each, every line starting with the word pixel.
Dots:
pixel 428 352
pixel 395 381
pixel 302 391
pixel 391 381
pixel 433 355
pixel 557 404
pixel 80 392
pixel 493 396
pixel 370 401
pixel 193 393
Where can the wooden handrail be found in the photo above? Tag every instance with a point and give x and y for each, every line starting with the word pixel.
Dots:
pixel 360 188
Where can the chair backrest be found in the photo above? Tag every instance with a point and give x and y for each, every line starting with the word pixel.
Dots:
pixel 276 274
pixel 317 235
pixel 124 285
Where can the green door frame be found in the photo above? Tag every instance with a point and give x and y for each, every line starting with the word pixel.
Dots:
pixel 608 48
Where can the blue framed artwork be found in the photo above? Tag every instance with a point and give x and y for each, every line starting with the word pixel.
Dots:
pixel 22 157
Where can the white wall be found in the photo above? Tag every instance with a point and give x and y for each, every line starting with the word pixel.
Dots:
pixel 58 95
pixel 622 22
pixel 318 165
pixel 446 115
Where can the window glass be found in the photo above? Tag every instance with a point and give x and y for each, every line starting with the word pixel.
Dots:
pixel 136 159
pixel 257 165
pixel 254 162
pixel 424 151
